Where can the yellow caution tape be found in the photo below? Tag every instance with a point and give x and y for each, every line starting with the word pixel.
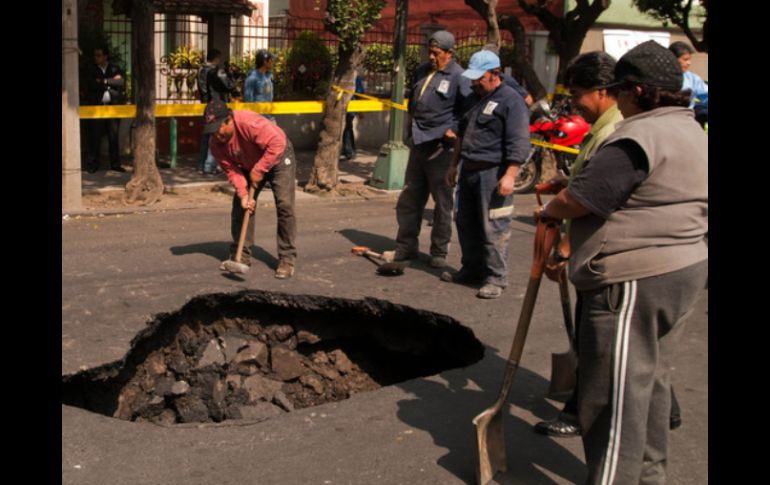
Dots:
pixel 386 102
pixel 561 148
pixel 276 108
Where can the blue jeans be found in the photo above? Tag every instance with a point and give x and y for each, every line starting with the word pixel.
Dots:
pixel 483 239
pixel 206 162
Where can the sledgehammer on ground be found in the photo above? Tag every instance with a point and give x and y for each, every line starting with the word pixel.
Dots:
pixel 389 268
pixel 235 266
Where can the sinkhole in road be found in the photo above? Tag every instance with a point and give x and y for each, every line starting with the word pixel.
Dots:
pixel 256 355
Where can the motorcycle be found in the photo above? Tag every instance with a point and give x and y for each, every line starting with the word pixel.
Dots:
pixel 550 125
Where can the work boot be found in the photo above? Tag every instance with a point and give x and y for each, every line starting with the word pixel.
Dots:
pixel 490 291
pixel 285 270
pixel 437 261
pixel 563 426
pixel 461 277
pixel 398 255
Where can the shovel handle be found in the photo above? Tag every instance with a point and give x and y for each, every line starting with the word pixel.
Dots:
pixel 245 226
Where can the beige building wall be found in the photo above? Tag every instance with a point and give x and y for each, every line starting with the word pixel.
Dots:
pixel 594 41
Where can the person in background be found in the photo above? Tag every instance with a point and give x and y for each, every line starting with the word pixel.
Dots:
pixel 258 87
pixel 104 87
pixel 348 136
pixel 699 97
pixel 207 164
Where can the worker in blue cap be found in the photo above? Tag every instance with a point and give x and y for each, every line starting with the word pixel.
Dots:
pixel 493 140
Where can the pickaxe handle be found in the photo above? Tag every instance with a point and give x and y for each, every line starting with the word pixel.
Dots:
pixel 245 225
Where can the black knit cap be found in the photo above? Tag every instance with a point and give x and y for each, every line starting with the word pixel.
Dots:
pixel 652 64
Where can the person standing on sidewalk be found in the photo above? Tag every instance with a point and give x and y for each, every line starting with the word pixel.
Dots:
pixel 258 87
pixel 435 106
pixel 493 141
pixel 207 164
pixel 253 150
pixel 639 210
pixel 348 136
pixel 104 87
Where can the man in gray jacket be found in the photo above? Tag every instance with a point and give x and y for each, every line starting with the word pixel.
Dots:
pixel 639 210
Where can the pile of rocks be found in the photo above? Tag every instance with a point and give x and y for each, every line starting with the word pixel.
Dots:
pixel 241 371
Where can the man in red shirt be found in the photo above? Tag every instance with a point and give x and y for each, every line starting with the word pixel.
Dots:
pixel 253 150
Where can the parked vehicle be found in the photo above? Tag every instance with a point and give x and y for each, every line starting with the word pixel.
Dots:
pixel 554 125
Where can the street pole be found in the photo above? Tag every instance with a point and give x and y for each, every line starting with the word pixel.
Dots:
pixel 70 110
pixel 394 155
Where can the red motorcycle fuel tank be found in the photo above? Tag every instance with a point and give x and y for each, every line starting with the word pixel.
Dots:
pixel 569 130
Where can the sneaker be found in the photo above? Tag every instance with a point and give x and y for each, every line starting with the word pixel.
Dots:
pixel 285 270
pixel 397 255
pixel 561 427
pixel 437 261
pixel 461 276
pixel 490 291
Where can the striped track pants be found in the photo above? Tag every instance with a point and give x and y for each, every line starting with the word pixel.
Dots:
pixel 628 335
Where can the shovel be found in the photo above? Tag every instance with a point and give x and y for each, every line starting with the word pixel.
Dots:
pixel 564 365
pixel 236 266
pixel 385 268
pixel 489 424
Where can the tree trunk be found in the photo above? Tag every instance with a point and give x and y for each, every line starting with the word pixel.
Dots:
pixel 522 65
pixel 488 11
pixel 145 186
pixel 325 165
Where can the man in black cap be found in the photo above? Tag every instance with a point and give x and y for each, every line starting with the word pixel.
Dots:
pixel 253 150
pixel 639 210
pixel 436 95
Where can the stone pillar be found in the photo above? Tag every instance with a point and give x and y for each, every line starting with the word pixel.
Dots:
pixel 426 30
pixel 70 110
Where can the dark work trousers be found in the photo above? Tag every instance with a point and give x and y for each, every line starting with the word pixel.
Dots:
pixel 425 175
pixel 348 137
pixel 282 180
pixel 629 332
pixel 96 130
pixel 483 239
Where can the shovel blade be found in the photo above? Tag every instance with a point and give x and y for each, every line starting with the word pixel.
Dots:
pixel 563 374
pixel 491 444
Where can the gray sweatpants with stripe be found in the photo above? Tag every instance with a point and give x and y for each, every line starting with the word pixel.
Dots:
pixel 629 332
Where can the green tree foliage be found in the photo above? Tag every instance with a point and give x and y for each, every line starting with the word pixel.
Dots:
pixel 350 19
pixel 678 12
pixel 309 66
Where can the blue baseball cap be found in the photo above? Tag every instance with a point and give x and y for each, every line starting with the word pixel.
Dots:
pixel 480 63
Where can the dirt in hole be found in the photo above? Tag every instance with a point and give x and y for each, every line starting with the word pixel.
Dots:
pixel 255 355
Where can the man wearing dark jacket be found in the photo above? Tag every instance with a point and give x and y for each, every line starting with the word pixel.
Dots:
pixel 213 83
pixel 435 105
pixel 104 87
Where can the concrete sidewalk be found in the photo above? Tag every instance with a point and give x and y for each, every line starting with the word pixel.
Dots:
pixel 186 174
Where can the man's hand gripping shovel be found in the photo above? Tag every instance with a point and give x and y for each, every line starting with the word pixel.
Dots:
pixel 489 424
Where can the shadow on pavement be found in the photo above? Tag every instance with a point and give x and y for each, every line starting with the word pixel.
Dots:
pixel 221 251
pixel 378 244
pixel 446 411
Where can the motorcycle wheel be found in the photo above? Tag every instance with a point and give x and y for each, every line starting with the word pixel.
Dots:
pixel 528 174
